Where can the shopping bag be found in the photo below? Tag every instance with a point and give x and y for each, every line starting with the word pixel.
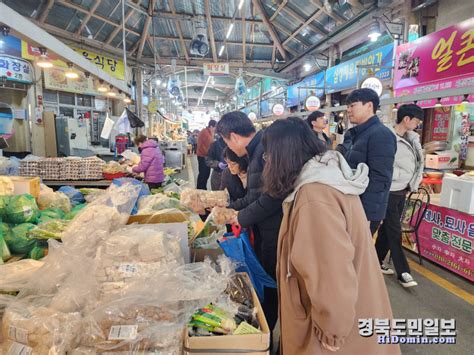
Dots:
pixel 108 127
pixel 239 250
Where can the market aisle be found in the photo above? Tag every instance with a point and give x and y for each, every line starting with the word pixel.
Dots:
pixel 430 300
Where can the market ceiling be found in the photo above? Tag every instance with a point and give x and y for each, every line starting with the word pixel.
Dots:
pixel 258 34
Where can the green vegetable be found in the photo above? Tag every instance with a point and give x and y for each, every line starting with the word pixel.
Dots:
pixel 51 214
pixel 52 229
pixel 22 209
pixel 4 251
pixel 74 211
pixel 3 205
pixel 37 253
pixel 17 239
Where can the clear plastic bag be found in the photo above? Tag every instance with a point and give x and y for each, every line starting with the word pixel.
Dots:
pixel 222 215
pixel 50 199
pixel 152 203
pixel 14 276
pixel 200 200
pixel 31 322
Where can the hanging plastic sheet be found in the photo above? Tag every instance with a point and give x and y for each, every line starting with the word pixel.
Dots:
pixel 240 251
pixel 134 120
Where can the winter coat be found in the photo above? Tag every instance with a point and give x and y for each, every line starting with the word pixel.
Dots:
pixel 328 272
pixel 260 211
pixel 151 163
pixel 372 143
pixel 215 154
pixel 233 184
pixel 204 141
pixel 409 162
pixel 325 139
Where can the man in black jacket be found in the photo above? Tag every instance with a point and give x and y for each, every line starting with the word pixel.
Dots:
pixel 257 210
pixel 215 160
pixel 372 143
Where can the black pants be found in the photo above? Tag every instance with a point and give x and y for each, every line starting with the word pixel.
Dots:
pixel 390 234
pixel 153 185
pixel 374 225
pixel 204 172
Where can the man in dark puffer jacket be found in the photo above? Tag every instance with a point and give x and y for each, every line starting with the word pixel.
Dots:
pixel 372 143
pixel 257 210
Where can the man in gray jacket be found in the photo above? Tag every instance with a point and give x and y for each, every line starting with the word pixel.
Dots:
pixel 407 175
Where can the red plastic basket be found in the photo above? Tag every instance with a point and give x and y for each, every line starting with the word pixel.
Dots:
pixel 109 176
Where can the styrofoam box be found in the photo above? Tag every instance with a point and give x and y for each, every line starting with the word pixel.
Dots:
pixel 458 193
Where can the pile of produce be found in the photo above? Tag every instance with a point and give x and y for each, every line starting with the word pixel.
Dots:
pixel 201 200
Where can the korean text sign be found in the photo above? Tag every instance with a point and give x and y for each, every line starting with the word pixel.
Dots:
pixel 439 61
pixel 447 238
pixel 311 85
pixel 15 69
pixel 344 75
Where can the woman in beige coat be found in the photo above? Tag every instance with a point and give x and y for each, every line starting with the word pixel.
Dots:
pixel 328 273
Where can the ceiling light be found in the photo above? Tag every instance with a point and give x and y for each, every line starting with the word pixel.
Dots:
pixel 235 98
pixel 241 3
pixel 127 100
pixel 158 81
pixel 43 61
pixel 465 101
pixel 112 94
pixel 221 50
pixel 273 88
pixel 395 108
pixel 307 67
pixel 163 85
pixel 102 87
pixel 248 90
pixel 374 32
pixel 438 103
pixel 6 30
pixel 229 31
pixel 70 73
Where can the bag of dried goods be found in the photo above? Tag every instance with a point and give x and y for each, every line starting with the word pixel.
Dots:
pixel 200 200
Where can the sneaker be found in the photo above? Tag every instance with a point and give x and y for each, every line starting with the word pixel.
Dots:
pixel 406 280
pixel 386 270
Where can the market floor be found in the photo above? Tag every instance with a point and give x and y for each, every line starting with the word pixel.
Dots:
pixel 439 294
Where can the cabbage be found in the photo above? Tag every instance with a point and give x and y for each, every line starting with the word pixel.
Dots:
pixel 17 239
pixel 22 209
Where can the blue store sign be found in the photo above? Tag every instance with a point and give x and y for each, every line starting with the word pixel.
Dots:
pixel 344 76
pixel 311 82
pixel 16 69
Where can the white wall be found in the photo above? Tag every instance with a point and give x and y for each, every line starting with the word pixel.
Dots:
pixel 451 12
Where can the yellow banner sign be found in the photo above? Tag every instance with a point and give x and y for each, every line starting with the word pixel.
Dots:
pixel 111 66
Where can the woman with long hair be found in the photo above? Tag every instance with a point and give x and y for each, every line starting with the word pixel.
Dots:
pixel 328 274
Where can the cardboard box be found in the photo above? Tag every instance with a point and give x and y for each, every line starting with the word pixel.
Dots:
pixel 26 185
pixel 445 159
pixel 254 344
pixel 458 193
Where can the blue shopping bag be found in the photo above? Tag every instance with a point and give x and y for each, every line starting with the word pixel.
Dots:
pixel 240 250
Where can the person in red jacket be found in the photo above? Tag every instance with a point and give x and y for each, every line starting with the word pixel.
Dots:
pixel 205 139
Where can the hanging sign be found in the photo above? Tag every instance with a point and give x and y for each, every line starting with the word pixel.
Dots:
pixel 55 79
pixel 278 109
pixel 216 69
pixel 109 65
pixel 312 103
pixel 310 86
pixel 439 61
pixel 441 124
pixel 374 84
pixel 252 116
pixel 15 69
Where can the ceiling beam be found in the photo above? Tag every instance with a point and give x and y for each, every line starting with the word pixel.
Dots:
pixel 280 7
pixel 273 34
pixel 301 19
pixel 88 17
pixel 102 18
pixel 288 33
pixel 188 39
pixel 211 30
pixel 180 32
pixel 338 19
pixel 306 23
pixel 146 29
pixel 46 11
pixel 117 29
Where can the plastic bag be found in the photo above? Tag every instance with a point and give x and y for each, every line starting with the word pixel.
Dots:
pixel 144 190
pixel 6 186
pixel 200 200
pixel 22 209
pixel 4 251
pixel 3 205
pixel 17 239
pixel 74 211
pixel 51 229
pixel 31 322
pixel 51 214
pixel 74 195
pixel 240 250
pixel 222 215
pixel 152 203
pixel 14 276
pixel 57 200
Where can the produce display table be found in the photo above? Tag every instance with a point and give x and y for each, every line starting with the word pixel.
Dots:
pixel 78 183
